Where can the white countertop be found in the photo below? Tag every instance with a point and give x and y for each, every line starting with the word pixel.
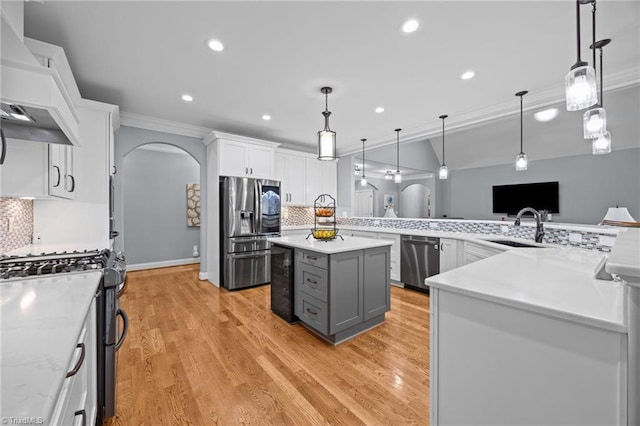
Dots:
pixel 41 320
pixel 331 246
pixel 554 281
pixel 625 257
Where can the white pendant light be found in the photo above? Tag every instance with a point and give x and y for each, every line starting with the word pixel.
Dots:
pixel 326 137
pixel 521 159
pixel 398 177
pixel 388 175
pixel 594 120
pixel 443 173
pixel 363 180
pixel 580 82
pixel 602 143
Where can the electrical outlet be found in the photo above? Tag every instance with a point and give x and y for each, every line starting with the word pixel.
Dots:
pixel 575 237
pixel 11 224
pixel 433 225
pixel 504 229
pixel 606 240
pixel 376 222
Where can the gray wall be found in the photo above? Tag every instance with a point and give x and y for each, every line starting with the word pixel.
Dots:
pixel 155 224
pixel 417 155
pixel 381 187
pixel 129 138
pixel 589 184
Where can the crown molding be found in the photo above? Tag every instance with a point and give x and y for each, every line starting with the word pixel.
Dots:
pixel 476 118
pixel 215 135
pixel 160 125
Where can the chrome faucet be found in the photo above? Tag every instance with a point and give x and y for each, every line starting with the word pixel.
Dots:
pixel 538 218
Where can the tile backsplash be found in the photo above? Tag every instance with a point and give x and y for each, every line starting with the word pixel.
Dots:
pixel 16 223
pixel 297 215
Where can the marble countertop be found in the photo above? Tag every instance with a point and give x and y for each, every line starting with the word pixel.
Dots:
pixel 331 246
pixel 50 248
pixel 553 281
pixel 40 320
pixel 625 257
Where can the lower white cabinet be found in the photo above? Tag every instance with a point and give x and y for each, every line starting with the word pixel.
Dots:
pixel 474 252
pixel 448 254
pixel 77 402
pixel 362 234
pixel 395 254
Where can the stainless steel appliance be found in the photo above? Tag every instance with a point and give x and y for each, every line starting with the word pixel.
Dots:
pixel 31 123
pixel 420 258
pixel 282 283
pixel 250 212
pixel 108 310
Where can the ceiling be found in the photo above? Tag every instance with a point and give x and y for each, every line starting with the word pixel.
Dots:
pixel 144 55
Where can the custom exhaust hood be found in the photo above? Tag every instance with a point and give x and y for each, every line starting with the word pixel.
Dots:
pixel 32 124
pixel 38 92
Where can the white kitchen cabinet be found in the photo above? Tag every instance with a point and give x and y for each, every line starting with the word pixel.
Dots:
pixel 361 234
pixel 77 401
pixel 62 178
pixel 395 254
pixel 313 180
pixel 448 254
pixel 25 170
pixel 474 252
pixel 245 160
pixel 290 171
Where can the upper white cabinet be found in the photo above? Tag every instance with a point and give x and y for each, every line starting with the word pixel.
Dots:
pixel 24 172
pixel 62 179
pixel 329 174
pixel 290 171
pixel 313 178
pixel 245 159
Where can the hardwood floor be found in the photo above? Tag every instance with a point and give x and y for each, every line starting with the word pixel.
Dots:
pixel 199 355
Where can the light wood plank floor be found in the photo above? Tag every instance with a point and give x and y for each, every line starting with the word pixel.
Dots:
pixel 199 355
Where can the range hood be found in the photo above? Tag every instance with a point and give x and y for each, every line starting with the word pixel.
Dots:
pixel 32 124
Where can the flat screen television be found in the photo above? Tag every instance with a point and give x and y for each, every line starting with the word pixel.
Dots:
pixel 510 199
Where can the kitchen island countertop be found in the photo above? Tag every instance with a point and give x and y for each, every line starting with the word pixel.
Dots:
pixel 40 322
pixel 329 247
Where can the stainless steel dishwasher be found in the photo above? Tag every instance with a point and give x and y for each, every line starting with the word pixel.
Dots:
pixel 420 259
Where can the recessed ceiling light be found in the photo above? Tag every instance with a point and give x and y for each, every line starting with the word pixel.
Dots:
pixel 546 115
pixel 410 26
pixel 379 110
pixel 467 75
pixel 187 98
pixel 266 117
pixel 216 45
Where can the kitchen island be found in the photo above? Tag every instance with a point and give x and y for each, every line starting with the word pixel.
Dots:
pixel 341 287
pixel 529 336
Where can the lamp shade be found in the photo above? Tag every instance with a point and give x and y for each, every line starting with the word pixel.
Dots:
pixel 443 173
pixel 521 162
pixel 581 89
pixel 602 144
pixel 594 122
pixel 326 145
pixel 618 214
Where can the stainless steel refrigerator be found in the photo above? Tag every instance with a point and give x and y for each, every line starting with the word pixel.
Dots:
pixel 250 212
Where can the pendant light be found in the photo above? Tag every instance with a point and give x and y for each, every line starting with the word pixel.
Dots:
pixel 398 177
pixel 326 137
pixel 443 173
pixel 388 175
pixel 580 82
pixel 601 144
pixel 595 119
pixel 521 159
pixel 363 180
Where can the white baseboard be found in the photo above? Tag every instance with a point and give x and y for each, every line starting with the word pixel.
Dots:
pixel 162 264
pixel 202 276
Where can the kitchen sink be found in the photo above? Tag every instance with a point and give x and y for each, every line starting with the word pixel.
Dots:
pixel 513 243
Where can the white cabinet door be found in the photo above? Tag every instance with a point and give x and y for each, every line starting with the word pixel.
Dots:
pixel 280 172
pixel 329 178
pixel 233 159
pixel 57 171
pixel 448 254
pixel 313 177
pixel 296 179
pixel 70 181
pixel 25 169
pixel 260 162
pixel 395 254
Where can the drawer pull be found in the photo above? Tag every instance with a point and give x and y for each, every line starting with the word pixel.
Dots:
pixel 79 364
pixel 82 413
pixel 312 281
pixel 311 312
pixel 312 258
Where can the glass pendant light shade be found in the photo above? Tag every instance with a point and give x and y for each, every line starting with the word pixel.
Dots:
pixel 581 90
pixel 602 144
pixel 594 122
pixel 326 137
pixel 521 162
pixel 388 175
pixel 443 173
pixel 363 181
pixel 326 145
pixel 397 178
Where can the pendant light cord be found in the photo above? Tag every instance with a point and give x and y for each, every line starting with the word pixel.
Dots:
pixel 593 35
pixel 443 163
pixel 521 125
pixel 601 78
pixel 578 22
pixel 363 174
pixel 397 150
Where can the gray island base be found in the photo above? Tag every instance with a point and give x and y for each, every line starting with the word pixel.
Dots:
pixel 341 288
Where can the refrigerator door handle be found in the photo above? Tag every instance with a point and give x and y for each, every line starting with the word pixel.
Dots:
pixel 258 208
